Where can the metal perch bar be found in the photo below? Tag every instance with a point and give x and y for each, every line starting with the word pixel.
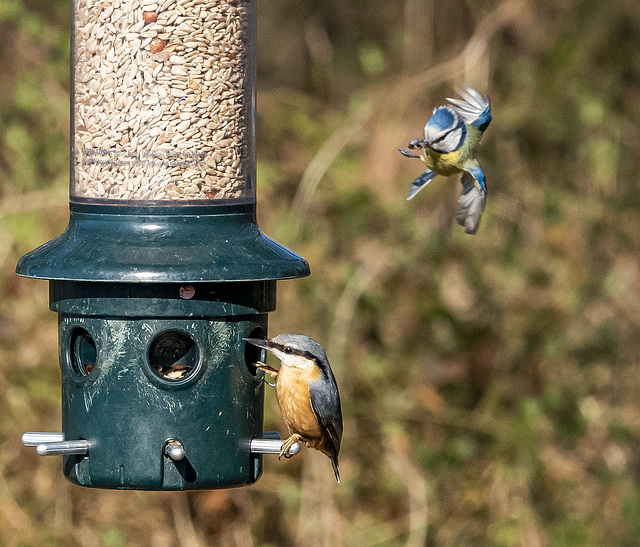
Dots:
pixel 174 450
pixel 52 444
pixel 33 438
pixel 272 446
pixel 65 447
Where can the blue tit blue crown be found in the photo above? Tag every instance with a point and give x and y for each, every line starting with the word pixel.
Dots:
pixel 443 118
pixel 445 131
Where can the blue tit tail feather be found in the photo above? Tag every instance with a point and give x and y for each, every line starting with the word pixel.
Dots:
pixel 470 205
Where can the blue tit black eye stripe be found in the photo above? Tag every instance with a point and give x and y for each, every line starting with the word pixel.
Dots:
pixel 461 129
pixel 442 137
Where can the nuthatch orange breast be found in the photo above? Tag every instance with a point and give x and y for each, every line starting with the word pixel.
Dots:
pixel 307 393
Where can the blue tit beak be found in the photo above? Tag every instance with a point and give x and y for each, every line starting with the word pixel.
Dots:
pixel 417 143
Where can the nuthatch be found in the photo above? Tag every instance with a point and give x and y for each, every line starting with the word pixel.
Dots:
pixel 307 393
pixel 451 137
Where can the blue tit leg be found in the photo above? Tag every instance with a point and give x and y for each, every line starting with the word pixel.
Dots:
pixel 470 204
pixel 407 153
pixel 420 183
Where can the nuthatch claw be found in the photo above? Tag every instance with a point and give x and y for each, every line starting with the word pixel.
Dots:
pixel 266 368
pixel 307 394
pixel 264 380
pixel 286 446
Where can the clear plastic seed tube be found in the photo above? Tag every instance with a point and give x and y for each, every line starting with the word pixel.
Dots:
pixel 163 101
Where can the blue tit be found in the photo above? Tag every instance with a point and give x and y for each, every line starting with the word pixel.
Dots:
pixel 307 393
pixel 451 138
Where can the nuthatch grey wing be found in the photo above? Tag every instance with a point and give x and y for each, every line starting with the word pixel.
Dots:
pixel 451 138
pixel 307 394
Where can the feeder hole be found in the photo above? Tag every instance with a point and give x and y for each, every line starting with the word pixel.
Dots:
pixel 173 355
pixel 253 354
pixel 82 352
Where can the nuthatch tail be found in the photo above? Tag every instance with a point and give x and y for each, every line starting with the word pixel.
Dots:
pixel 307 393
pixel 451 137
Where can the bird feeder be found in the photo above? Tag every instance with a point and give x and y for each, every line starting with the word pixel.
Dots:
pixel 162 270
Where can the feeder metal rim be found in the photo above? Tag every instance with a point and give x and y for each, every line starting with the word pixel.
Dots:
pixel 162 249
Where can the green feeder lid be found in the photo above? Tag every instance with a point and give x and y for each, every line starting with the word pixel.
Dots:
pixel 162 244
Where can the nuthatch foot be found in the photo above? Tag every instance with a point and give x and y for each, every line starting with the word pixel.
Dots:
pixel 307 393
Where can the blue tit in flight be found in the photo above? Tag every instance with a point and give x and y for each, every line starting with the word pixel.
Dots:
pixel 451 137
pixel 307 393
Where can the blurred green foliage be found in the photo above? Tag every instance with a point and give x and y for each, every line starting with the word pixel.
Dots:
pixel 490 383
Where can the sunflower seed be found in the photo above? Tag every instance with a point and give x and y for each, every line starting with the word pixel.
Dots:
pixel 161 108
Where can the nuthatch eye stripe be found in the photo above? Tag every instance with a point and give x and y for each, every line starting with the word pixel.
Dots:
pixel 300 353
pixel 289 350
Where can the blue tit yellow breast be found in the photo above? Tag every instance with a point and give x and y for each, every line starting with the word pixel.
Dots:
pixel 443 164
pixel 292 392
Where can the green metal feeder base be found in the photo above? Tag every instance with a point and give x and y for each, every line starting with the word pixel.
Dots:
pixel 142 374
pixel 158 387
pixel 132 386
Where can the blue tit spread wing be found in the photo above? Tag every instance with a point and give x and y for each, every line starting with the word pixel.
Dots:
pixel 474 108
pixel 478 176
pixel 470 205
pixel 325 402
pixel 420 183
